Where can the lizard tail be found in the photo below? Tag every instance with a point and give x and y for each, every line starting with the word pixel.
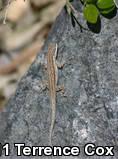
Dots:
pixel 51 127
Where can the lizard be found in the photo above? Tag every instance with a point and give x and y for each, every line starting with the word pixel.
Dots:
pixel 52 69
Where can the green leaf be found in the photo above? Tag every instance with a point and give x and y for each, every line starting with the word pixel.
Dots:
pixel 104 4
pixel 91 13
pixel 91 1
pixel 107 11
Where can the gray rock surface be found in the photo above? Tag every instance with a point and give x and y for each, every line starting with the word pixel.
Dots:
pixel 88 110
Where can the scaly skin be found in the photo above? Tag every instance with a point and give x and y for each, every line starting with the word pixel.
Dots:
pixel 52 80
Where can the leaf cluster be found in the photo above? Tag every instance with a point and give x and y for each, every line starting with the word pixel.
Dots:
pixel 92 11
pixel 94 8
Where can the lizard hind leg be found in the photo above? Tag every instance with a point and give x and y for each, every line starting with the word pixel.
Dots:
pixel 60 65
pixel 60 88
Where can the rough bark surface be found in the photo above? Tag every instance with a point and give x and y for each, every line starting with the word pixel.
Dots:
pixel 88 110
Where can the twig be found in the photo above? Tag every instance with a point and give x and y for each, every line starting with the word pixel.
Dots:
pixel 6 12
pixel 73 11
